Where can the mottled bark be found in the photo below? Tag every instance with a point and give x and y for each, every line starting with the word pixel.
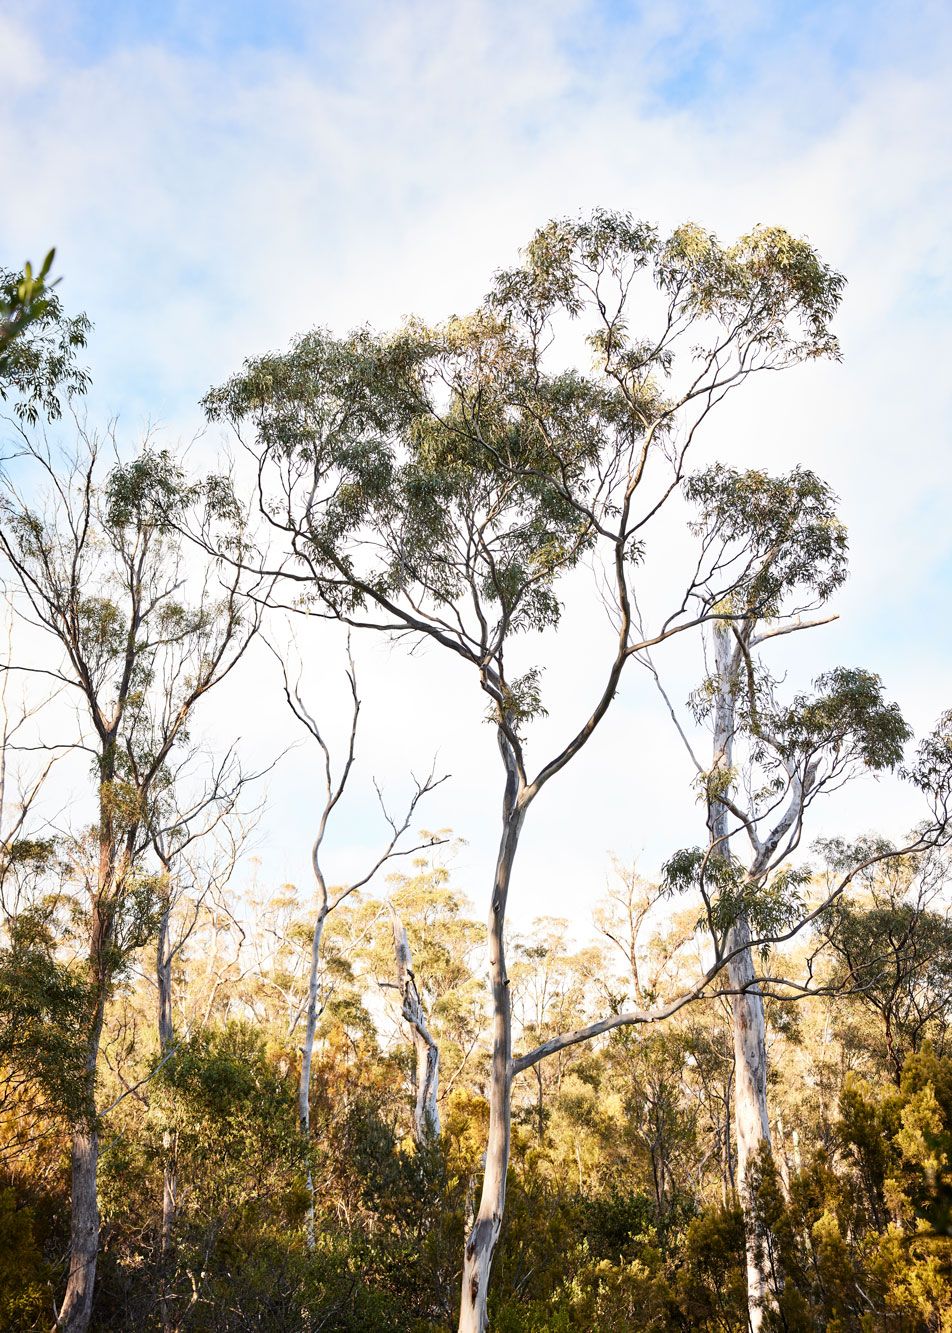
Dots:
pixel 84 1232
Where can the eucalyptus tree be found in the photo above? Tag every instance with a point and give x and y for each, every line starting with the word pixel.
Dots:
pixel 770 760
pixel 438 483
pixel 426 1112
pixel 138 638
pixel 431 946
pixel 892 949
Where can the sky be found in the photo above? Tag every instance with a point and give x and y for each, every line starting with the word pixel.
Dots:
pixel 220 177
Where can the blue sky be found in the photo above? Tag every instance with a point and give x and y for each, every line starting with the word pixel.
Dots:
pixel 218 177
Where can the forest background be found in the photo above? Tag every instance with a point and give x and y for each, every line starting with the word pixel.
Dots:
pixel 215 187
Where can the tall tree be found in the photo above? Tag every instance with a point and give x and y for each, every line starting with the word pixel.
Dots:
pixel 439 483
pixel 99 570
pixel 770 760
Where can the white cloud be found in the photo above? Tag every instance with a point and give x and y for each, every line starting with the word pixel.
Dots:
pixel 207 206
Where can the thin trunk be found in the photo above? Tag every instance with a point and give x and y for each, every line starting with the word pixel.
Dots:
pixel 163 976
pixel 77 1304
pixel 307 1053
pixel 482 1240
pixel 426 1115
pixel 751 1123
pixel 894 1057
pixel 783 1161
pixel 730 1183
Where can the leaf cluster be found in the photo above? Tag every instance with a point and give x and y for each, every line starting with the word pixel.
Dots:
pixel 38 344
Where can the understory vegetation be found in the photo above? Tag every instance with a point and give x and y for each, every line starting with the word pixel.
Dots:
pixel 622 1211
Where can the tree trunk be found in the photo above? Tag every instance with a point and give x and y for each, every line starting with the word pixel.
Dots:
pixel 307 1053
pixel 751 1124
pixel 426 1115
pixel 84 1220
pixel 84 1232
pixel 482 1240
pixel 163 976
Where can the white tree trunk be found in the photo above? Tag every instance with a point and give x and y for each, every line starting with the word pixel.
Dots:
pixel 307 1054
pixel 426 1115
pixel 482 1240
pixel 77 1304
pixel 751 1125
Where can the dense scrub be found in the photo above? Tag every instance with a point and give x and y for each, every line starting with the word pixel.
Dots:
pixel 621 1210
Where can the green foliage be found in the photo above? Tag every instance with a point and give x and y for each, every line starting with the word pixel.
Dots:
pixel 151 491
pixel 931 769
pixel 897 959
pixel 771 904
pixel 38 344
pixel 783 530
pixel 848 718
pixel 43 1002
pixel 485 470
pixel 24 1275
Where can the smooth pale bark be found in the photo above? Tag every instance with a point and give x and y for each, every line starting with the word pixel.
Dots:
pixel 426 1114
pixel 484 1236
pixel 751 1123
pixel 163 977
pixel 307 1050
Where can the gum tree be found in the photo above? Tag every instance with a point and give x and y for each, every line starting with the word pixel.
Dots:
pixel 138 639
pixel 439 483
pixel 892 950
pixel 426 1111
pixel 771 760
